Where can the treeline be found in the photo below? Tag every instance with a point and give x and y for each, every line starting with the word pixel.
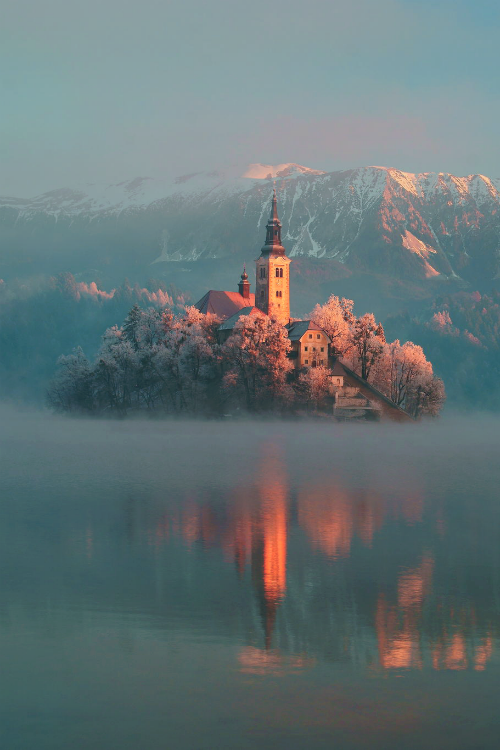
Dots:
pixel 177 364
pixel 42 317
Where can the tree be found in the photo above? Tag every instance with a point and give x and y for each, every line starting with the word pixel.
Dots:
pixel 72 389
pixel 314 385
pixel 257 361
pixel 426 397
pixel 368 339
pixel 186 360
pixel 405 375
pixel 335 317
pixel 116 372
pixel 131 326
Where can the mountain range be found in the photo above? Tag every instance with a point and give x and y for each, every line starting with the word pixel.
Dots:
pixel 367 231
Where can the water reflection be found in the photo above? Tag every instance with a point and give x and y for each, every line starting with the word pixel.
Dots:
pixel 264 661
pixel 399 626
pixel 298 557
pixel 344 573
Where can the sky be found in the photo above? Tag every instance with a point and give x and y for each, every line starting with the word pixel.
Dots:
pixel 107 90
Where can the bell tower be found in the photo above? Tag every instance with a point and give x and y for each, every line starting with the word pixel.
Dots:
pixel 272 288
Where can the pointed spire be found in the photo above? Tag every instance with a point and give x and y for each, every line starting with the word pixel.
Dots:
pixel 273 231
pixel 274 209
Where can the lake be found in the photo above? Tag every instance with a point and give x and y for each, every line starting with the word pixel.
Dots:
pixel 206 585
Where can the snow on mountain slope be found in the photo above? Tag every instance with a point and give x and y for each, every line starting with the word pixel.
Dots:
pixel 144 191
pixel 267 171
pixel 372 219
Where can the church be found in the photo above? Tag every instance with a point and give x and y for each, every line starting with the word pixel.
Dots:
pixel 352 397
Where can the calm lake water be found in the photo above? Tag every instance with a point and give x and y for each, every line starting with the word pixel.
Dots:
pixel 203 586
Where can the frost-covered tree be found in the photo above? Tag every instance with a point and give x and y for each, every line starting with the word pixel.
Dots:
pixel 72 389
pixel 405 375
pixel 367 344
pixel 336 318
pixel 131 326
pixel 196 343
pixel 116 371
pixel 186 361
pixel 256 357
pixel 314 385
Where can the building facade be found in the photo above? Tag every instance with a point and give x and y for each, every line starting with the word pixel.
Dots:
pixel 310 344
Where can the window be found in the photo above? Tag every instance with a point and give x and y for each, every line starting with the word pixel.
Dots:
pixel 305 348
pixel 279 293
pixel 262 272
pixel 322 361
pixel 314 348
pixel 306 361
pixel 279 273
pixel 322 348
pixel 310 335
pixel 261 292
pixel 318 336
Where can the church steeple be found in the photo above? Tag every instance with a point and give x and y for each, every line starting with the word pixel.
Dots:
pixel 272 288
pixel 273 231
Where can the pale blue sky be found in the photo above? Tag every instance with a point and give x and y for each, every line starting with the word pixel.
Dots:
pixel 107 90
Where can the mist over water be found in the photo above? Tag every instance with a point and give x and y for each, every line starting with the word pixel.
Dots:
pixel 248 584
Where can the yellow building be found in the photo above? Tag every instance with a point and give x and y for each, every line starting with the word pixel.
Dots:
pixel 310 344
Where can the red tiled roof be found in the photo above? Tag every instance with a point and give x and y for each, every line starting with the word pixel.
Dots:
pixel 223 304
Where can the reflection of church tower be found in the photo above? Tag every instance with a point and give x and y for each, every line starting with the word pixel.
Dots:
pixel 270 552
pixel 272 291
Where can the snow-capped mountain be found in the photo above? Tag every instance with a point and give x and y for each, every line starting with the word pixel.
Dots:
pixel 372 220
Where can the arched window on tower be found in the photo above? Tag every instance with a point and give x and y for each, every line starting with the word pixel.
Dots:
pixel 279 273
pixel 262 272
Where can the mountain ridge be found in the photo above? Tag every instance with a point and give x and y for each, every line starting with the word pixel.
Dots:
pixel 418 228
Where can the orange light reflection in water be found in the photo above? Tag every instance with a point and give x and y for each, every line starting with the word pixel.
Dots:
pixel 331 517
pixel 273 492
pixel 398 627
pixel 263 661
pixel 253 533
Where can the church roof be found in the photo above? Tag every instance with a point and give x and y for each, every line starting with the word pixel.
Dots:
pixel 224 304
pixel 298 328
pixel 338 368
pixel 229 324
